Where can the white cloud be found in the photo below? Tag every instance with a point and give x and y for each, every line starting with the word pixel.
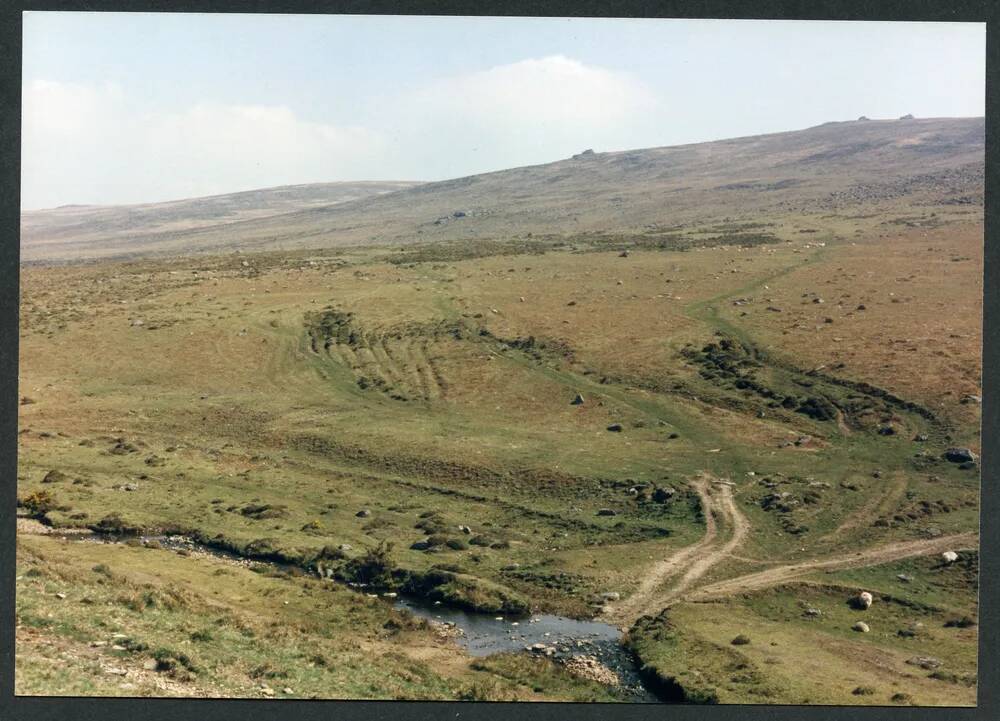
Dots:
pixel 530 111
pixel 85 144
pixel 91 144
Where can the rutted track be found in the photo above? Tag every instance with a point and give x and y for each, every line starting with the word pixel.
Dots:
pixel 868 557
pixel 694 560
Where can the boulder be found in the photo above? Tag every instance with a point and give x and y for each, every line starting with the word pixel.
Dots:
pixel 949 557
pixel 615 428
pixel 363 513
pixel 577 400
pixel 55 477
pixel 960 455
pixel 861 627
pixel 662 495
pixel 863 600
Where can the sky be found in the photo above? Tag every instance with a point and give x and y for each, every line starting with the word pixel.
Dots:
pixel 141 107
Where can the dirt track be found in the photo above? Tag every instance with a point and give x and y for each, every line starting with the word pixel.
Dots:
pixel 721 511
pixel 868 557
pixel 694 560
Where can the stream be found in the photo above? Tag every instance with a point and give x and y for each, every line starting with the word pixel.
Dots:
pixel 480 634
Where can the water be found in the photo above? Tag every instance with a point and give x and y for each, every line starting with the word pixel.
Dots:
pixel 483 634
pixel 486 634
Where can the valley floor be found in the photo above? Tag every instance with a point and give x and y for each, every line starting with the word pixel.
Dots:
pixel 713 448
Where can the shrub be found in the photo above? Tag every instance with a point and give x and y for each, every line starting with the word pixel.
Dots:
pixel 374 568
pixel 114 525
pixel 39 503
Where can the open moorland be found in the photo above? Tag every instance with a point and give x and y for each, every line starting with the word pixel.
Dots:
pixel 702 396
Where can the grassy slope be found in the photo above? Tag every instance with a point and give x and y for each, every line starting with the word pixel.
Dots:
pixel 227 405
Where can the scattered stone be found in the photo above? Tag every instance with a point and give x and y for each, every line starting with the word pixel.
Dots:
pixel 25 401
pixel 861 627
pixel 287 691
pixel 611 596
pixel 577 400
pixel 863 600
pixel 623 254
pixel 741 640
pixel 61 596
pixel 606 512
pixel 920 438
pixel 949 557
pixel 904 578
pixel 363 513
pixel 591 668
pixel 615 428
pixel 966 400
pixel 465 529
pixel 814 612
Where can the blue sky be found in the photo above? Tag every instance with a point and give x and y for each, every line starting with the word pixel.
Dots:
pixel 134 107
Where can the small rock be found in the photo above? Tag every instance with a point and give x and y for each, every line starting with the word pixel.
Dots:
pixel 577 400
pixel 949 557
pixel 615 428
pixel 363 513
pixel 861 627
pixel 928 663
pixel 606 512
pixel 61 596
